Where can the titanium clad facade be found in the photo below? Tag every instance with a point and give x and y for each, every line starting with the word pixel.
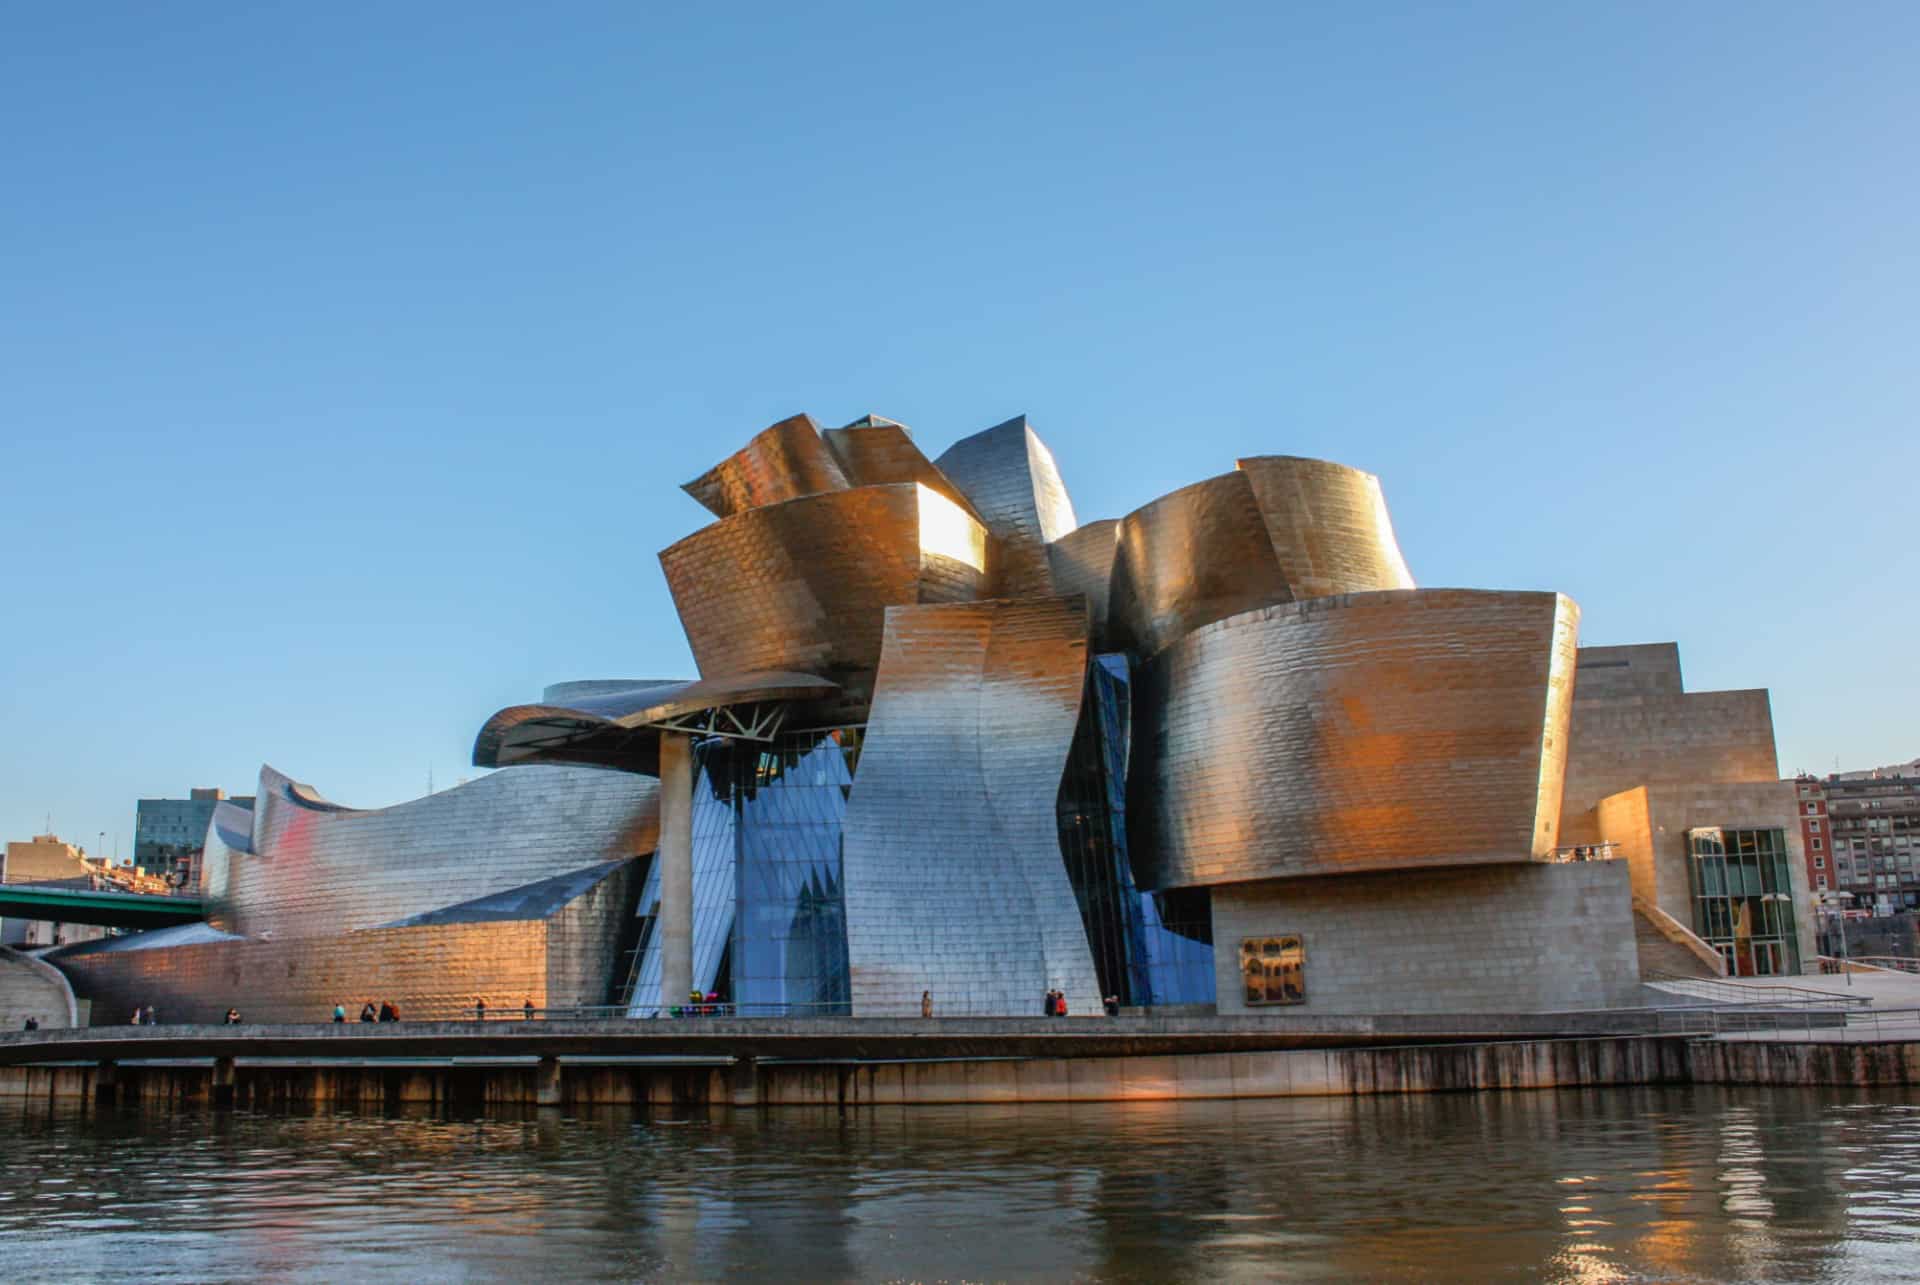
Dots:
pixel 1364 732
pixel 954 879
pixel 1010 476
pixel 783 462
pixel 805 585
pixel 316 869
pixel 1082 563
pixel 1192 557
pixel 1329 526
pixel 878 452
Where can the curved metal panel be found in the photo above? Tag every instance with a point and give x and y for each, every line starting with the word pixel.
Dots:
pixel 608 724
pixel 1010 476
pixel 318 871
pixel 804 586
pixel 1082 563
pixel 873 451
pixel 1193 556
pixel 955 882
pixel 782 462
pixel 1329 526
pixel 1362 732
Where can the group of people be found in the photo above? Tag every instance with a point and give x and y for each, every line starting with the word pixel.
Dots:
pixel 527 1009
pixel 144 1016
pixel 387 1012
pixel 1056 1005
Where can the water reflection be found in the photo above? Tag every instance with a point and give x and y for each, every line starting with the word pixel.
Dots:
pixel 1576 1186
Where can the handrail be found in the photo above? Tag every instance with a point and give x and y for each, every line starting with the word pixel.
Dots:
pixel 1681 935
pixel 1762 993
pixel 1885 963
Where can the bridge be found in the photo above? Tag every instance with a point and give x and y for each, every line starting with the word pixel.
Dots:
pixel 89 906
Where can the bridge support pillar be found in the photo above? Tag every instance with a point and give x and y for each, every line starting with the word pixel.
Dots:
pixel 223 1080
pixel 546 1082
pixel 676 868
pixel 106 1083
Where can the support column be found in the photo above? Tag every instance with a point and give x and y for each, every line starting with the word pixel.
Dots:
pixel 675 924
pixel 546 1082
pixel 743 1082
pixel 222 1095
pixel 106 1083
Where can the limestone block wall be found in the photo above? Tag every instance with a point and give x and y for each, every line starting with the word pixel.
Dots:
pixel 1660 738
pixel 1648 827
pixel 29 988
pixel 1515 938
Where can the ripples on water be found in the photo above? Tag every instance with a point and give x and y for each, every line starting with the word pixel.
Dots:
pixel 1626 1184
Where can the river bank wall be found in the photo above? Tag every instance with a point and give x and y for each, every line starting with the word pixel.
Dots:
pixel 1444 1068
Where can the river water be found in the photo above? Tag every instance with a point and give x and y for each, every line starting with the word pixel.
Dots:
pixel 1691 1184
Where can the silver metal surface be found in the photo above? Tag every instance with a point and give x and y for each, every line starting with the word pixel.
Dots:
pixel 803 586
pixel 955 884
pixel 1329 526
pixel 1194 556
pixel 1082 563
pixel 1363 732
pixel 317 869
pixel 1010 476
pixel 782 462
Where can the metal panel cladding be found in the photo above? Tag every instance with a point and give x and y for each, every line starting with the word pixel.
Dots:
pixel 783 462
pixel 1329 526
pixel 805 585
pixel 318 869
pixel 954 879
pixel 873 451
pixel 1363 732
pixel 1193 556
pixel 1010 476
pixel 1082 563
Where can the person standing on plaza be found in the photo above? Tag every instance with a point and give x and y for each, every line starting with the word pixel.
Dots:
pixel 526 1009
pixel 926 1003
pixel 480 1009
pixel 339 1012
pixel 366 1012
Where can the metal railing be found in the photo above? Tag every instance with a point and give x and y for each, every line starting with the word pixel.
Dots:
pixel 1586 852
pixel 1765 994
pixel 1887 963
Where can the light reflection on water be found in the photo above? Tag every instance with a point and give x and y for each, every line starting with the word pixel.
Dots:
pixel 1599 1185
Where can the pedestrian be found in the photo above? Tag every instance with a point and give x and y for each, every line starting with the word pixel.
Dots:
pixel 480 1009
pixel 526 1009
pixel 1046 1005
pixel 366 1012
pixel 148 1017
pixel 926 1003
pixel 33 1024
pixel 340 1012
pixel 387 1011
pixel 1113 1005
pixel 233 1017
pixel 138 1014
pixel 1059 1003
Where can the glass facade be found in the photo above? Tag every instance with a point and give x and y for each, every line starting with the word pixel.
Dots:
pixel 1147 950
pixel 1743 899
pixel 769 915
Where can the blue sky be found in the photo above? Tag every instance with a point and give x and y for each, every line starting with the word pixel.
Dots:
pixel 351 356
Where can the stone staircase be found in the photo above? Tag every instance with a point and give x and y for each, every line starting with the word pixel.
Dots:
pixel 1659 955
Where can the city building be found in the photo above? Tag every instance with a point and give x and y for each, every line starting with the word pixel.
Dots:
pixel 170 834
pixel 47 859
pixel 949 745
pixel 1873 824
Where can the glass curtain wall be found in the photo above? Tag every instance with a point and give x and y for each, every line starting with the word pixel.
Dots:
pixel 1743 899
pixel 1147 949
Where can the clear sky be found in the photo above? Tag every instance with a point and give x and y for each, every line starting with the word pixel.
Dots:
pixel 351 355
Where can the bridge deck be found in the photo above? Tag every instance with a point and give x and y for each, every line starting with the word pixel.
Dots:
pixel 109 909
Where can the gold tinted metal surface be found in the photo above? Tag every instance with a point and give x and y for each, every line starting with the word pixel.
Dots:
pixel 875 452
pixel 1082 563
pixel 316 869
pixel 804 586
pixel 1329 526
pixel 1010 476
pixel 781 463
pixel 954 878
pixel 1192 557
pixel 1362 732
pixel 431 971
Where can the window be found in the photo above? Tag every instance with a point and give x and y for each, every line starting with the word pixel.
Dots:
pixel 1814 826
pixel 1810 809
pixel 1822 880
pixel 1816 843
pixel 1819 863
pixel 1273 969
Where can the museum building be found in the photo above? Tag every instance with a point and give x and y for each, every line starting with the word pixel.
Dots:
pixel 1219 754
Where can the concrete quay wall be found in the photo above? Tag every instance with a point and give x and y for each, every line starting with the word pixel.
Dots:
pixel 1545 1064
